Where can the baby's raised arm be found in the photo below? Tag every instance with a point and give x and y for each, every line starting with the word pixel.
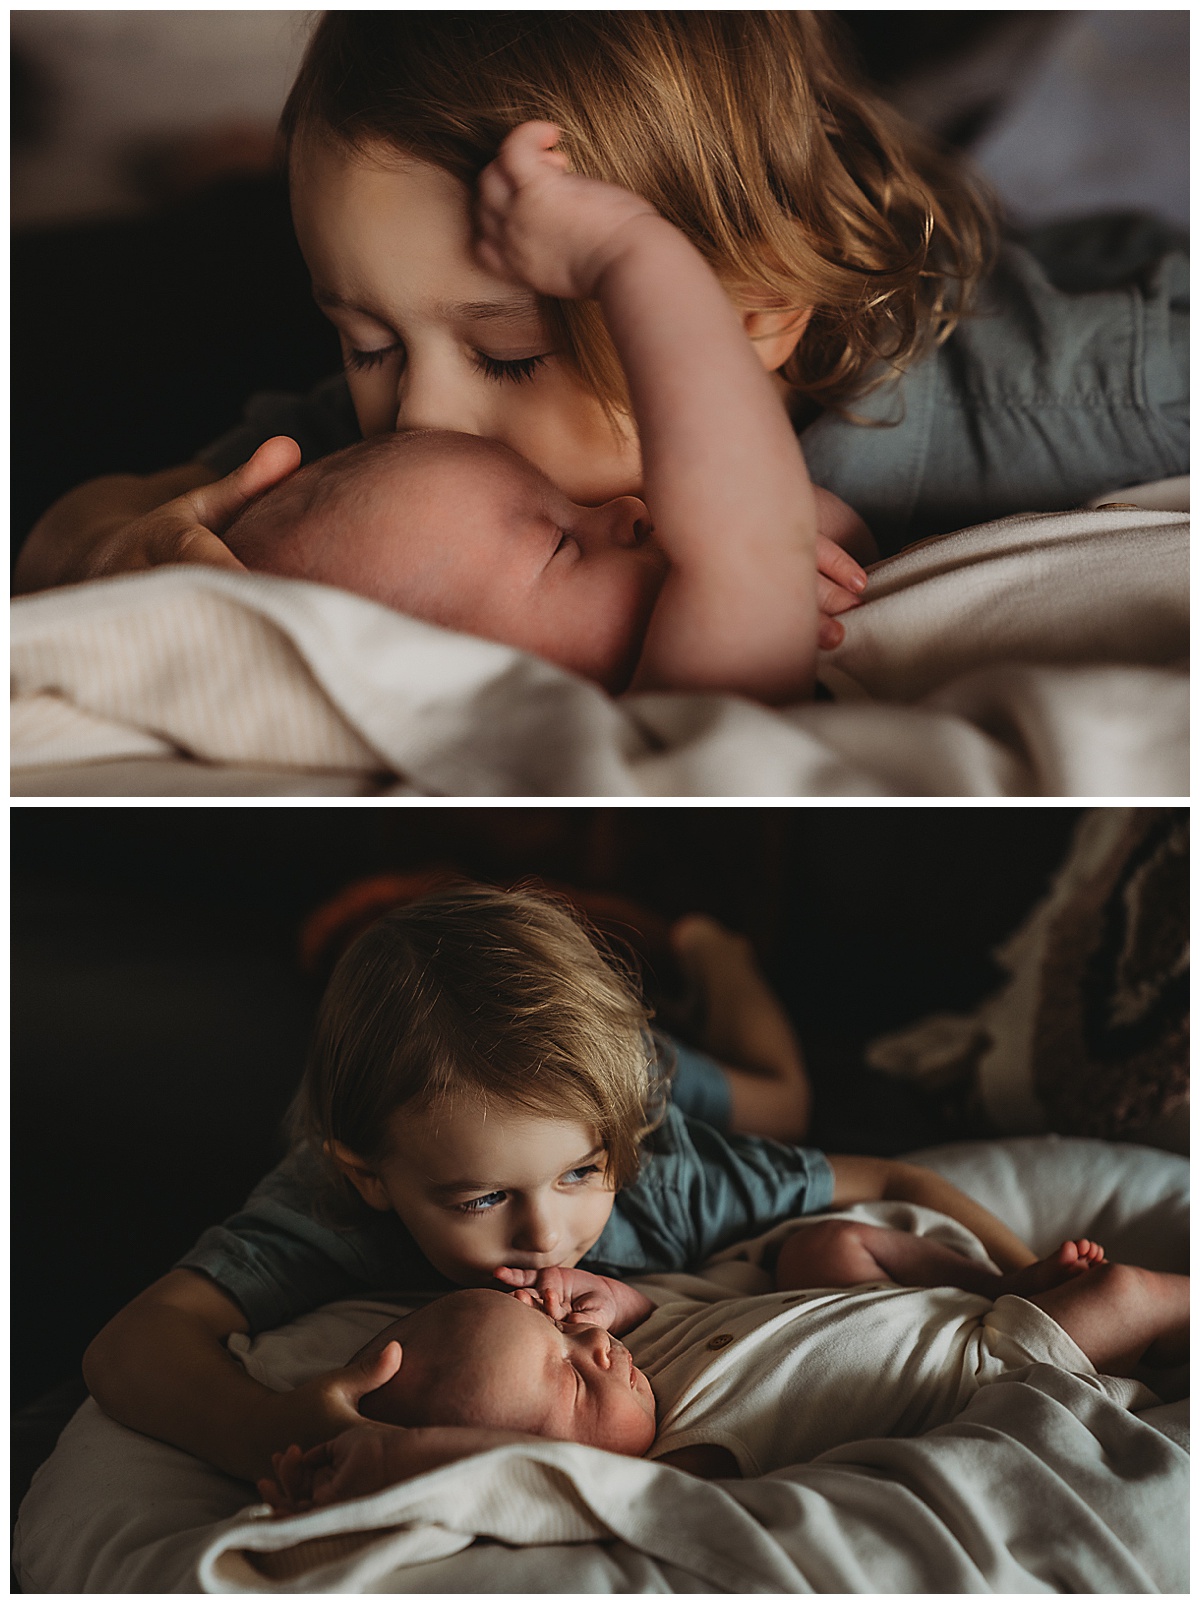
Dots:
pixel 724 477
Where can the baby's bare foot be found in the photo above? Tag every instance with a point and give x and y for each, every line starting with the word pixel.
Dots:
pixel 1076 1256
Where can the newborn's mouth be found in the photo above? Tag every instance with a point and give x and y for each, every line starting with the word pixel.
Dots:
pixel 623 1352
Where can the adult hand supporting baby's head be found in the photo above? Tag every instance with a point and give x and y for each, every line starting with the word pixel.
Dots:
pixel 123 523
pixel 187 529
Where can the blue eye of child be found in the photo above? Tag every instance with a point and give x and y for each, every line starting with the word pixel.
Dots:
pixel 515 371
pixel 582 1173
pixel 477 1205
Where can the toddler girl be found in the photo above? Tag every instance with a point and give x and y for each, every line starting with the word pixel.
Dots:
pixel 719 593
pixel 479 1097
pixel 848 248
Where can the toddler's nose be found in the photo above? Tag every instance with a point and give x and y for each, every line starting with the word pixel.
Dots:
pixel 536 1232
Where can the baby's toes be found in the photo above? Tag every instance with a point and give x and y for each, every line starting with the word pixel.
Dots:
pixel 1070 1259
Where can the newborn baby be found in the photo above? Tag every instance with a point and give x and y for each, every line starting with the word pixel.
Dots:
pixel 744 1386
pixel 463 532
pixel 483 1358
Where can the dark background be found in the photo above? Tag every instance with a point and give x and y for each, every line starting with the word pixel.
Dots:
pixel 160 1015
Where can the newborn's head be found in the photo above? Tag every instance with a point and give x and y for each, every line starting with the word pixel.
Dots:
pixel 463 532
pixel 481 1358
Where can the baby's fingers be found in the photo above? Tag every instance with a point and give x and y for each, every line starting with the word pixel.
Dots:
pixel 513 1277
pixel 839 566
pixel 271 1493
pixel 495 192
pixel 829 634
pixel 584 1312
pixel 291 1474
pixel 833 598
pixel 529 149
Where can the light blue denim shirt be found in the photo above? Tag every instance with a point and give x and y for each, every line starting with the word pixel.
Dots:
pixel 1039 400
pixel 1042 398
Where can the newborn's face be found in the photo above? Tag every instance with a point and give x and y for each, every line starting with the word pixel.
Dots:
pixel 570 1383
pixel 462 532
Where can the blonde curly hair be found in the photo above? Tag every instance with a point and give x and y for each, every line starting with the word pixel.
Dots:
pixel 749 130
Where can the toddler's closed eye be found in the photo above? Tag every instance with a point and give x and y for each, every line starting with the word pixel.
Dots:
pixel 515 370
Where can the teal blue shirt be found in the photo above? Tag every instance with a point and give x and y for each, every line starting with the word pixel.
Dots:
pixel 698 1191
pixel 1053 391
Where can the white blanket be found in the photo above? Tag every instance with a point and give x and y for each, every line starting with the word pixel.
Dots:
pixel 1042 1484
pixel 1038 655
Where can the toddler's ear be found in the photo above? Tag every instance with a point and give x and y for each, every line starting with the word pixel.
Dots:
pixel 361 1176
pixel 775 332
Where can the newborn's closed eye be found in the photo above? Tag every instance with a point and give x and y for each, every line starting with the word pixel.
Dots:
pixel 567 547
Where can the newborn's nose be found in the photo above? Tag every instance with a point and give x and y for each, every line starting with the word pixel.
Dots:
pixel 597 1342
pixel 628 521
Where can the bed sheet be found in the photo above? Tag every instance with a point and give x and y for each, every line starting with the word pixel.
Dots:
pixel 1041 1485
pixel 1037 655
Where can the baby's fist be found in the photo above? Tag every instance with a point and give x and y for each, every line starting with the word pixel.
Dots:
pixel 544 225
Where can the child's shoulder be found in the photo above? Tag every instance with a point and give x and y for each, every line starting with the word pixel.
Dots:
pixel 699 1190
pixel 1069 378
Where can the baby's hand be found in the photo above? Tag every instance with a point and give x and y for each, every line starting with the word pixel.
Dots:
pixel 290 1490
pixel 544 225
pixel 573 1296
pixel 576 1297
pixel 844 543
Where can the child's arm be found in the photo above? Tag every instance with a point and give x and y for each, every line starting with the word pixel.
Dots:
pixel 160 1366
pixel 123 522
pixel 724 477
pixel 866 1180
pixel 577 1297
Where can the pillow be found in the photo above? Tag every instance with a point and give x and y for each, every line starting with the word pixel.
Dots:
pixel 1089 1036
